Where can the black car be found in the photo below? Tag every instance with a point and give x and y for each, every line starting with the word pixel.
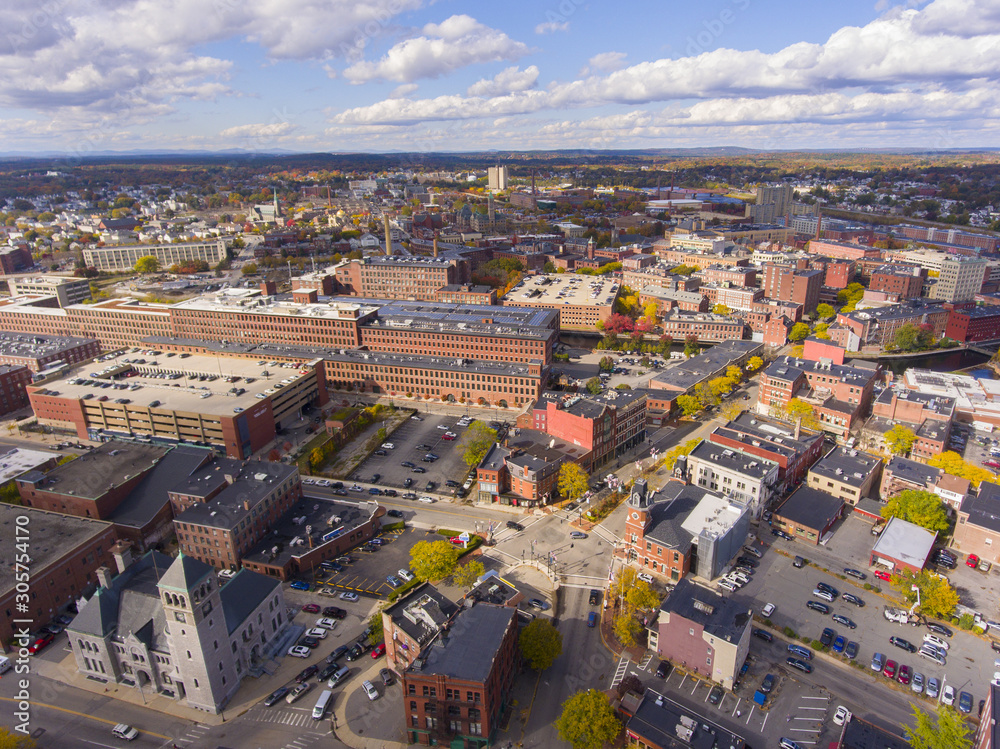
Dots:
pixel 307 673
pixel 309 642
pixel 799 563
pixel 851 598
pixel 337 654
pixel 452 483
pixel 781 534
pixel 394 513
pixel 276 695
pixel 595 597
pixel 715 696
pixel 800 665
pixel 407 464
pixel 334 612
pixel 763 634
pixel 515 526
pixel 356 652
pixel 376 477
pixel 841 619
pixel 851 572
pixel 827 637
pixel 817 606
pixel 851 651
pixel 746 561
pixel 828 588
pixel 423 447
pixel 424 459
pixel 902 644
pixel 965 702
pixel 380 453
pixel 407 482
pixel 390 492
pixel 329 671
pixel 420 469
pixel 664 669
pixel 768 684
pixel 340 492
pixel 939 629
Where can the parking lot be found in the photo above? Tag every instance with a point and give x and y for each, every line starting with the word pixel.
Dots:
pixel 366 574
pixel 411 443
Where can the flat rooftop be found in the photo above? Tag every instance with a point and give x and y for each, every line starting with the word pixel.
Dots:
pixel 18 460
pixel 92 475
pixel 194 383
pixel 754 431
pixel 468 650
pixel 52 535
pixel 850 467
pixel 444 363
pixel 912 471
pixel 32 346
pixel 308 525
pixel 733 460
pixel 906 542
pixel 230 490
pixel 662 722
pixel 937 404
pixel 252 302
pixel 565 289
pixel 462 319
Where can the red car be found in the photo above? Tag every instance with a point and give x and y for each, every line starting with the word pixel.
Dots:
pixel 379 650
pixel 311 608
pixel 40 643
pixel 972 561
pixel 991 464
pixel 457 541
pixel 882 575
pixel 904 675
pixel 890 669
pixel 447 437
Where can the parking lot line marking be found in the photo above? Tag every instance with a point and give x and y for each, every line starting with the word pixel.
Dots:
pixel 695 687
pixel 738 701
pixel 825 699
pixel 768 715
pixel 812 708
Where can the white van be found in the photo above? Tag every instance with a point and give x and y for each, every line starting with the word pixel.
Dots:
pixel 5 664
pixel 124 731
pixel 322 704
pixel 342 673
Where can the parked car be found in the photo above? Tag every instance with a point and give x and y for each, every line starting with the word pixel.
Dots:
pixel 299 690
pixel 933 688
pixel 936 642
pixel 839 644
pixel 878 662
pixel 881 575
pixel 858 574
pixel 841 619
pixel 715 696
pixel 826 637
pixel 664 669
pixel 404 575
pixel 964 702
pixel 767 684
pixel 972 560
pixel 379 650
pixel 275 696
pixel 370 690
pixel 890 669
pixel 800 665
pixel 856 600
pixel 917 683
pixel 851 651
pixel 298 585
pixel 902 644
pixel 781 534
pixel 311 608
pixel 841 715
pixel 348 596
pixel 817 606
pixel 939 629
pixel 307 673
pixel 904 675
pixel 767 610
pixel 41 642
pixel 948 695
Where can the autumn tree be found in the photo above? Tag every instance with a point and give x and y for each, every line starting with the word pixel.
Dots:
pixel 541 644
pixel 11 740
pixel 734 374
pixel 588 721
pixel 937 597
pixel 799 331
pixel 919 507
pixel 721 309
pixel 755 363
pixel 951 462
pixel 433 560
pixel 900 439
pixel 688 404
pixel 572 481
pixel 706 395
pixel 802 413
pixel 147 264
pixel 476 442
pixel 720 386
pixel 670 457
pixel 632 595
pixel 466 575
pixel 825 311
pixel 731 410
pixel 948 730
pixel 691 347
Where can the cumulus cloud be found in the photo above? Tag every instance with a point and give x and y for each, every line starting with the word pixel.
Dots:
pixel 605 62
pixel 258 130
pixel 901 51
pixel 444 47
pixel 402 90
pixel 551 27
pixel 506 81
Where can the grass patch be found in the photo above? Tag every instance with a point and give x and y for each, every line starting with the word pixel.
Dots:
pixel 394 526
pixel 403 589
pixel 790 633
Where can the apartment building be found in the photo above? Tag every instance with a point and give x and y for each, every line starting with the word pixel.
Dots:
pixel 413 622
pixel 878 327
pixel 901 474
pixel 14 381
pixel 747 479
pixel 846 473
pixel 40 352
pixel 459 688
pixel 397 277
pixel 705 326
pixel 794 450
pixel 899 278
pixel 973 324
pixel 67 290
pixel 956 237
pixel 772 205
pixel 787 284
pixel 961 278
pixel 125 257
pixel 929 416
pixel 742 298
pixel 581 301
pixel 732 275
pixel 842 250
pixel 667 299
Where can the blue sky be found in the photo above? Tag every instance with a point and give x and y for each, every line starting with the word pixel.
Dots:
pixel 385 75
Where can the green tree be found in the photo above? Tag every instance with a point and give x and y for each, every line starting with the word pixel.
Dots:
pixel 594 386
pixel 476 442
pixel 433 560
pixel 606 364
pixel 147 264
pixel 466 575
pixel 588 721
pixel 799 331
pixel 825 311
pixel 631 595
pixel 572 481
pixel 691 347
pixel 949 730
pixel 912 337
pixel 375 627
pixel 541 644
pixel 919 507
pixel 900 439
pixel 249 269
pixel 689 405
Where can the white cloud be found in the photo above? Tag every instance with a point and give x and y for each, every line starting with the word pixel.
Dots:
pixel 258 130
pixel 506 81
pixel 402 90
pixel 550 27
pixel 455 43
pixel 605 62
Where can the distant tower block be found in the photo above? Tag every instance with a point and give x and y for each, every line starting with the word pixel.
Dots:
pixel 496 177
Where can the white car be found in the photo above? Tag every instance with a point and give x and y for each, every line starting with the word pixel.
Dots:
pixel 728 585
pixel 319 633
pixel 767 610
pixel 450 434
pixel 948 694
pixel 443 426
pixel 936 642
pixel 645 577
pixel 326 622
pixel 405 575
pixel 299 651
pixel 370 690
pixel 427 500
pixel 388 446
pixel 841 716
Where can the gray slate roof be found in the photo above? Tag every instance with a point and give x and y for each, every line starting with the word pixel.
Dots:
pixel 468 649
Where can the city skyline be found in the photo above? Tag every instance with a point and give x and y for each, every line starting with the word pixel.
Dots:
pixel 413 75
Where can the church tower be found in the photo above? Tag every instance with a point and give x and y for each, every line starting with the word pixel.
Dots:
pixel 197 634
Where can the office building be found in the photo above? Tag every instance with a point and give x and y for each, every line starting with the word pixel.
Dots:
pixel 903 279
pixel 787 284
pixel 124 258
pixel 496 178
pixel 66 289
pixel 974 324
pixel 746 479
pixel 793 449
pixel 772 204
pixel 846 473
pixel 961 278
pixel 659 722
pixel 411 623
pixel 581 301
pixel 41 353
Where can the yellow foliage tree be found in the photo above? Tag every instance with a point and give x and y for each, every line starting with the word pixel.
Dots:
pixel 951 462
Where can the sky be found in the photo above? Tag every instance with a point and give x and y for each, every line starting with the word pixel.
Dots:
pixel 80 76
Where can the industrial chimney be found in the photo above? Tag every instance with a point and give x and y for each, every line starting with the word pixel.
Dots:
pixel 388 234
